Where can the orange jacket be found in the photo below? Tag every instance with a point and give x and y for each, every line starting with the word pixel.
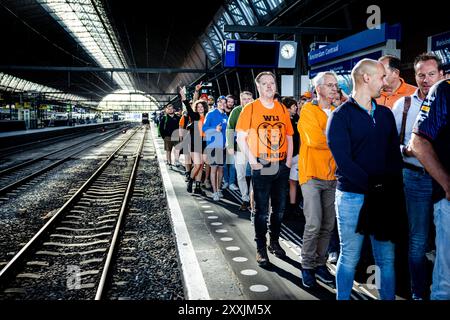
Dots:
pixel 404 90
pixel 315 159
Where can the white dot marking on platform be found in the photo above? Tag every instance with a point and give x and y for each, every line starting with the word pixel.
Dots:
pixel 206 207
pixel 216 223
pixel 259 288
pixel 240 259
pixel 213 217
pixel 249 272
pixel 209 211
pixel 221 230
pixel 226 239
pixel 233 248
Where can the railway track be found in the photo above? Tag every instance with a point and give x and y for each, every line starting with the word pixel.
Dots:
pixel 71 255
pixel 29 146
pixel 16 176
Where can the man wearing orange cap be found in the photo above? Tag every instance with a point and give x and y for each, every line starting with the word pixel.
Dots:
pixel 305 97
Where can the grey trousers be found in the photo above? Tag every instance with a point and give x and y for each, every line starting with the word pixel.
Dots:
pixel 320 214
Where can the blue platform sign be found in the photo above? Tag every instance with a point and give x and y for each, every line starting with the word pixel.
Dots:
pixel 230 53
pixel 440 45
pixel 440 41
pixel 346 66
pixel 354 43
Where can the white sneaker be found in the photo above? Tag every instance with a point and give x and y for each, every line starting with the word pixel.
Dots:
pixel 333 257
pixel 246 198
pixel 207 184
pixel 220 193
pixel 233 187
pixel 431 256
pixel 216 196
pixel 225 185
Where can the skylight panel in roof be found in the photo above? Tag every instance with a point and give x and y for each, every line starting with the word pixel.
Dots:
pixel 274 4
pixel 212 56
pixel 80 19
pixel 261 8
pixel 14 84
pixel 237 14
pixel 247 11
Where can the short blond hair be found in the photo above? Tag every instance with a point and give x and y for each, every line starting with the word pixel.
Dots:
pixel 264 73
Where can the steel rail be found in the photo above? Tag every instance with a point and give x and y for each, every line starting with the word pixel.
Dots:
pixel 17 183
pixel 123 209
pixel 31 161
pixel 19 256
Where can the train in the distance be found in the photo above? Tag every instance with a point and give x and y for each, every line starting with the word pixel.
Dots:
pixel 145 119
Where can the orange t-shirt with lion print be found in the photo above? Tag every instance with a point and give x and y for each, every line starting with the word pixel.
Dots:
pixel 267 130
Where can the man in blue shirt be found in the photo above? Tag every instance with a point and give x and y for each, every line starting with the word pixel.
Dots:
pixel 430 144
pixel 215 128
pixel 362 137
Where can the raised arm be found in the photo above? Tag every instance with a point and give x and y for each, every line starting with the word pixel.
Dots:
pixel 424 151
pixel 197 91
pixel 187 105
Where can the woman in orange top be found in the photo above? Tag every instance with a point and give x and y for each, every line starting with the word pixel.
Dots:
pixel 197 117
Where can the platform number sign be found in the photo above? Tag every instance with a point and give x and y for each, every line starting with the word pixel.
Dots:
pixel 231 47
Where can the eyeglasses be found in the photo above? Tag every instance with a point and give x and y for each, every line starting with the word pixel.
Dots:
pixel 332 85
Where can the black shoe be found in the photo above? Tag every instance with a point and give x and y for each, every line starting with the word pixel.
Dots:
pixel 244 206
pixel 261 257
pixel 289 213
pixel 276 249
pixel 199 191
pixel 308 278
pixel 188 176
pixel 324 275
pixel 189 185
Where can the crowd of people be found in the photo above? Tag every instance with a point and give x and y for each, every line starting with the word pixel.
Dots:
pixel 361 161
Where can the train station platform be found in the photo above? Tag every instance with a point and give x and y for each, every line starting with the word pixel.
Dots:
pixel 221 238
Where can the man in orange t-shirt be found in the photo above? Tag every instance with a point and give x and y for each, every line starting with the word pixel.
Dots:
pixel 397 87
pixel 264 134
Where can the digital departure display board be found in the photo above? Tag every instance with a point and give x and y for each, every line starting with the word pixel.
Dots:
pixel 259 54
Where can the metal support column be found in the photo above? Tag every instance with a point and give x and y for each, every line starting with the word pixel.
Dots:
pixel 255 90
pixel 298 68
pixel 228 85
pixel 218 87
pixel 238 82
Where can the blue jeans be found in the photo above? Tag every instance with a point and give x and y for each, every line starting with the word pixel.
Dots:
pixel 418 189
pixel 440 289
pixel 273 185
pixel 348 206
pixel 229 170
pixel 248 170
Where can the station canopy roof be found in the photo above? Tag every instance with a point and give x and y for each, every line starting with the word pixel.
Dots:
pixel 128 101
pixel 121 34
